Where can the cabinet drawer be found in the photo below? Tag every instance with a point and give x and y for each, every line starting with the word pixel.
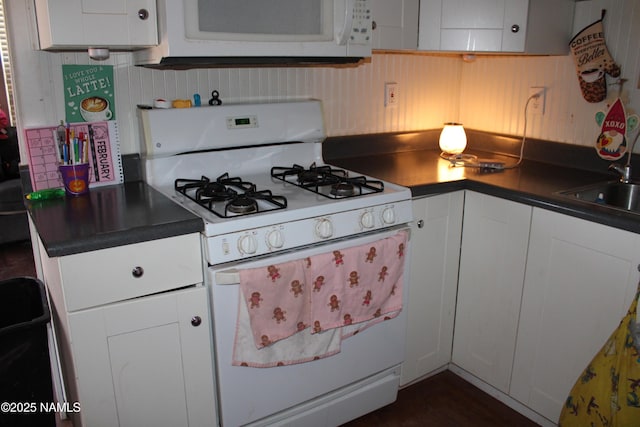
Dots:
pixel 116 274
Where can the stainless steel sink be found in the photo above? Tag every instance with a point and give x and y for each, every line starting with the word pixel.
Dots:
pixel 613 194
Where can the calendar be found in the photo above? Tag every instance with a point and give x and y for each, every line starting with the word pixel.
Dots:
pixel 104 154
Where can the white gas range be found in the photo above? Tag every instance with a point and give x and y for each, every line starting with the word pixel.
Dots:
pixel 254 173
pixel 285 137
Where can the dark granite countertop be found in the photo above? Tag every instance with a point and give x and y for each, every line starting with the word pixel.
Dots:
pixel 533 182
pixel 134 212
pixel 109 216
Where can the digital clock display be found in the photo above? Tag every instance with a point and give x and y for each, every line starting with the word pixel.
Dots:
pixel 242 122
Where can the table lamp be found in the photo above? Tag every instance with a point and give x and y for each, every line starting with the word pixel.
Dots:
pixel 453 139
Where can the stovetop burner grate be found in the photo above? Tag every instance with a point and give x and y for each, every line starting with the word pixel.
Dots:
pixel 229 197
pixel 327 181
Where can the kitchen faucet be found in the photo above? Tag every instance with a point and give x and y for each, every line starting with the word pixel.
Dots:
pixel 625 171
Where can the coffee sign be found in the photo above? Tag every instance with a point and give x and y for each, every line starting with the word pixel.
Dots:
pixel 88 93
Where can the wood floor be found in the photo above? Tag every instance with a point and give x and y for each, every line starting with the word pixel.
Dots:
pixel 444 400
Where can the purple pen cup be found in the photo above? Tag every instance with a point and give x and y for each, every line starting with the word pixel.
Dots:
pixel 75 178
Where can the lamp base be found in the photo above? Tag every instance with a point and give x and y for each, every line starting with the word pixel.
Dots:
pixel 472 161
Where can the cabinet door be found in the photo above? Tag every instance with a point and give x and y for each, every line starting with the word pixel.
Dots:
pixel 435 251
pixel 146 361
pixel 581 278
pixel 395 24
pixel 99 23
pixel 473 25
pixel 492 265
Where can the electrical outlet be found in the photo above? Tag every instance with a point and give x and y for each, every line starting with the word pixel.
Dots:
pixel 390 94
pixel 536 105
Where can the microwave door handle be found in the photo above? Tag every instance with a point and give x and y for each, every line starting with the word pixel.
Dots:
pixel 343 35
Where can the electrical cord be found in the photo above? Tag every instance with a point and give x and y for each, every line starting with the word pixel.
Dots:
pixel 471 160
pixel 524 131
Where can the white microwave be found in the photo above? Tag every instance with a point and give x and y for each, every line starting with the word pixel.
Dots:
pixel 195 33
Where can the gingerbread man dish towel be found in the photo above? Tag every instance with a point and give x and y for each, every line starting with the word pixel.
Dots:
pixel 301 310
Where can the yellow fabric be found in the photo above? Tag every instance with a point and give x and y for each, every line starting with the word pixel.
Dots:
pixel 607 393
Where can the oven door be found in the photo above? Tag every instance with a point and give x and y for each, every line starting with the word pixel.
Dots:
pixel 362 377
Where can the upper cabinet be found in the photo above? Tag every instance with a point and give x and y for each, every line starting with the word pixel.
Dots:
pixel 395 24
pixel 542 27
pixel 80 24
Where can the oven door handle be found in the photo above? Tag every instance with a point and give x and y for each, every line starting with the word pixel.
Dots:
pixel 228 277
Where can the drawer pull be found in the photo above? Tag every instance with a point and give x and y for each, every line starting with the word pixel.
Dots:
pixel 143 14
pixel 137 272
pixel 196 321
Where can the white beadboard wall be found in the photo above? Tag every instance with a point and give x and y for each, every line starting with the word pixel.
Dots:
pixel 353 97
pixel 488 94
pixel 494 89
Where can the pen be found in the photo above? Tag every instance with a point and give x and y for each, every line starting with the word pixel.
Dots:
pixel 67 141
pixel 49 193
pixel 85 147
pixel 81 148
pixel 72 137
pixel 61 139
pixel 57 146
pixel 65 154
pixel 76 151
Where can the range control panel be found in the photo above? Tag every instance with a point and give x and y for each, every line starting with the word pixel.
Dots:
pixel 300 233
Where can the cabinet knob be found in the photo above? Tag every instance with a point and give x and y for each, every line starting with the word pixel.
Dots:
pixel 143 14
pixel 515 28
pixel 374 25
pixel 137 272
pixel 196 320
pixel 420 223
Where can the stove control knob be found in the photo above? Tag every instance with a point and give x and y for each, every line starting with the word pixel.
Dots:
pixel 389 215
pixel 275 239
pixel 367 220
pixel 247 244
pixel 324 228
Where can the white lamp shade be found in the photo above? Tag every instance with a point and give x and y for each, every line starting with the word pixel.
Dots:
pixel 453 139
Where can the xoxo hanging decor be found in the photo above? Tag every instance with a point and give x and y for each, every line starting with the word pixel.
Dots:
pixel 616 124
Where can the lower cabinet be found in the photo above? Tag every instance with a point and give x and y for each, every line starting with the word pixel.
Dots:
pixel 581 278
pixel 133 334
pixel 435 250
pixel 492 267
pixel 538 295
pixel 145 361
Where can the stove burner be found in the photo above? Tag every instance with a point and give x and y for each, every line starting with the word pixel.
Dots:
pixel 225 179
pixel 309 176
pixel 320 175
pixel 343 189
pixel 241 197
pixel 327 181
pixel 242 205
pixel 215 191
